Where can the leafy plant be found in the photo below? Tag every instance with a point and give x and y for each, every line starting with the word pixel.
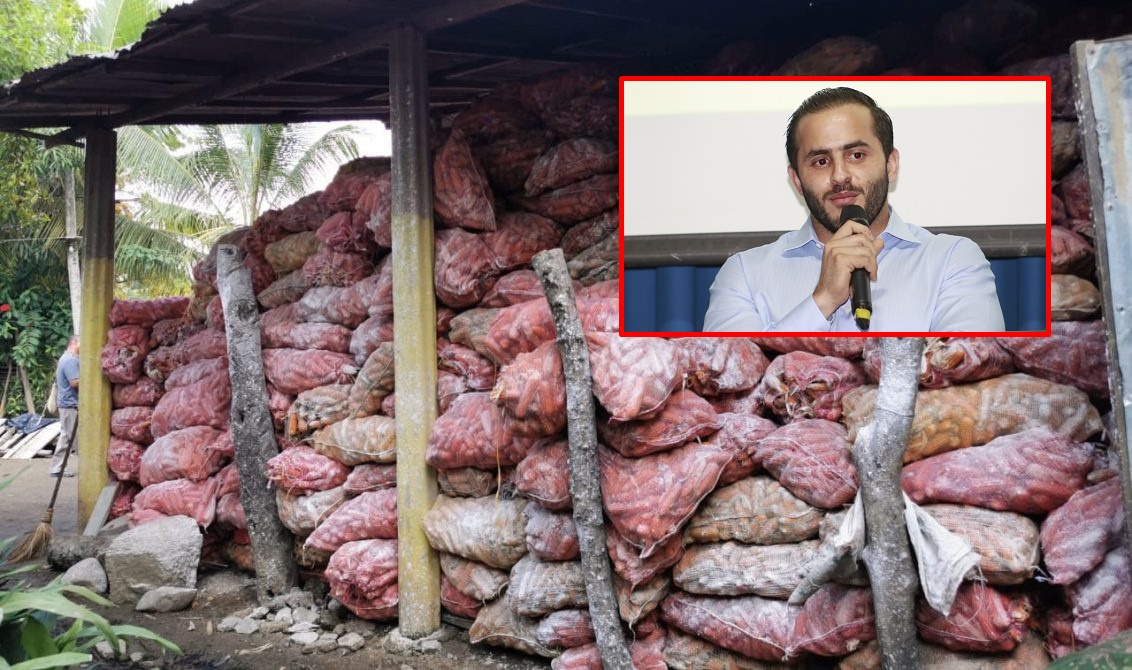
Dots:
pixel 29 615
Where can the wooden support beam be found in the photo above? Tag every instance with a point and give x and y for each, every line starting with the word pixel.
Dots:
pixel 414 332
pixel 98 296
pixel 252 432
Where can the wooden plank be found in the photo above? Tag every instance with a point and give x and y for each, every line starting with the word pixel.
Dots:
pixel 30 445
pixel 101 509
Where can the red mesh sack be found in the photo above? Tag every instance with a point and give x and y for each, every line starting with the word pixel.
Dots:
pixel 841 347
pixel 598 262
pixel 557 88
pixel 961 416
pixel 981 619
pixel 145 392
pixel 586 234
pixel 370 477
pixel 532 389
pixel 473 579
pixel 739 435
pixel 812 459
pixel 464 268
pixel 1032 472
pixel 170 331
pixel 472 434
pixel 565 629
pixel 229 480
pixel 370 516
pixel 800 385
pixel 544 475
pixel 472 482
pixel 632 377
pixel 207 343
pixel 634 569
pixel 1070 252
pixel 1077 535
pixel 370 335
pixel 145 313
pixel 214 314
pixel 948 361
pixel 351 180
pixel 470 328
pixel 493 117
pixel 124 354
pixel 302 469
pixel 124 499
pixel 1102 600
pixel 455 602
pixel 551 536
pixel 835 620
pixel 686 416
pixel 325 336
pixel 192 453
pixel 346 233
pixel 645 651
pixel 202 403
pixel 132 423
pixel 278 403
pixel 517 329
pixel 375 205
pixel 1074 354
pixel 330 304
pixel 518 237
pixel 717 365
pixel 179 497
pixel 230 511
pixel 123 457
pixel 571 161
pixel 497 624
pixel 515 287
pixel 306 213
pixel 744 402
pixel 363 576
pixel 461 193
pixel 194 372
pixel 293 371
pixel 755 627
pixel 508 160
pixel 478 371
pixel 575 202
pixel 649 499
pixel 336 268
pixel 588 116
pixel 1075 193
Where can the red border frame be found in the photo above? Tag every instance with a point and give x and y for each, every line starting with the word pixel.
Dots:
pixel 621 213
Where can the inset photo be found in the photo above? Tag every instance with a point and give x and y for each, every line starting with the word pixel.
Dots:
pixel 872 206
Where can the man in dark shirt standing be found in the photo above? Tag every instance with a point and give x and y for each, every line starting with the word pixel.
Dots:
pixel 67 387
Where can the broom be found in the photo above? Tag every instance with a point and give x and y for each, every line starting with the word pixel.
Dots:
pixel 35 542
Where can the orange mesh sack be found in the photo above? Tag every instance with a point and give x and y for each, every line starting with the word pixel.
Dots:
pixel 685 417
pixel 755 510
pixel 318 407
pixel 1007 543
pixel 732 568
pixel 538 588
pixel 461 194
pixel 301 514
pixel 370 439
pixel 363 576
pixel 947 361
pixel 488 530
pixel 962 416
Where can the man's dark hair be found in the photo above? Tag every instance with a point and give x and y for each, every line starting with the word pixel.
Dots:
pixel 829 98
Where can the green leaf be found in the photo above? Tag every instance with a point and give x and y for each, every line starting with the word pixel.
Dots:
pixel 66 641
pixel 54 602
pixel 127 630
pixel 54 661
pixel 36 639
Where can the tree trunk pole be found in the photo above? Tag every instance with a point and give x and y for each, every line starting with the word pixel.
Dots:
pixel 585 476
pixel 74 274
pixel 252 431
pixel 29 399
pixel 879 457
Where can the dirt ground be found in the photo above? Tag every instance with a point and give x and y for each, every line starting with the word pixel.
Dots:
pixel 22 505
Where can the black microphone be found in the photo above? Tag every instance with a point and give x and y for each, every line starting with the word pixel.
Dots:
pixel 859 281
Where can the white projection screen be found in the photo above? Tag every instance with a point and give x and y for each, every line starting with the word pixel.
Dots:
pixel 708 156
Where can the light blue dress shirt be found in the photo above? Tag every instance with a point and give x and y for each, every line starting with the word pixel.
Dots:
pixel 926 282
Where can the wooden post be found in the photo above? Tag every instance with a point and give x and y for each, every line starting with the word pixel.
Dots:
pixel 29 398
pixel 414 331
pixel 879 457
pixel 585 475
pixel 97 298
pixel 252 432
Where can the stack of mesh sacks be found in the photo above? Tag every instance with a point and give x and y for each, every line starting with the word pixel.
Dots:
pixel 170 441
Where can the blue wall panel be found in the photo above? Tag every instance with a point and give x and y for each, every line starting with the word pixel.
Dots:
pixel 675 298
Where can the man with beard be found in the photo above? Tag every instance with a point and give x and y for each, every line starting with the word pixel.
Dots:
pixel 840 149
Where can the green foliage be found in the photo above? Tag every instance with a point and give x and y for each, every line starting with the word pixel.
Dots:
pixel 37 321
pixel 29 615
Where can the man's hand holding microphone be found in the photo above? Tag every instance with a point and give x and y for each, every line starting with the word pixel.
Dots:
pixel 849 262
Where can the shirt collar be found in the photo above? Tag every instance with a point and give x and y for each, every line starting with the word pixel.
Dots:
pixel 896 227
